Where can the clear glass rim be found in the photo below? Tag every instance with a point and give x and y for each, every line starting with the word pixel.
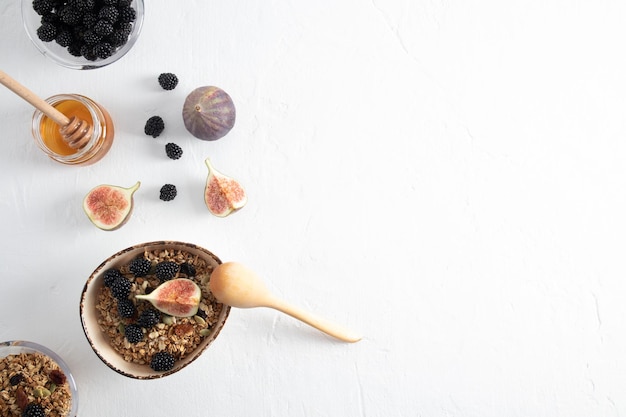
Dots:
pixel 23 346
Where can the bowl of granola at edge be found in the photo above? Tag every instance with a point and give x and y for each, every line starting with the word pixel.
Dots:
pixel 129 334
pixel 34 379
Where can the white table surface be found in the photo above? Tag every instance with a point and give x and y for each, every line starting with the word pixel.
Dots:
pixel 446 177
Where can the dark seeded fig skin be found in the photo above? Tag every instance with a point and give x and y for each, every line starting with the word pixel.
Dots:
pixel 209 113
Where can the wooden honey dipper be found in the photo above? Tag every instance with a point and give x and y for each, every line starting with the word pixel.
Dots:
pixel 75 132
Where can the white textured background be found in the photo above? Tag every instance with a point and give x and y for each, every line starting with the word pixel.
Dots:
pixel 447 177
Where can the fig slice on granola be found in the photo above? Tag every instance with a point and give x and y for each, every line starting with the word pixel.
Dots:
pixel 177 297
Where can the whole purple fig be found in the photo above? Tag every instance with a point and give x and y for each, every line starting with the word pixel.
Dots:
pixel 209 113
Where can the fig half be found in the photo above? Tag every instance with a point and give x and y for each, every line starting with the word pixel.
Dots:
pixel 109 206
pixel 178 297
pixel 209 113
pixel 222 194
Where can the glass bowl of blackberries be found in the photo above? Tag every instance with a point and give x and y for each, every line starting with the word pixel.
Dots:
pixel 83 34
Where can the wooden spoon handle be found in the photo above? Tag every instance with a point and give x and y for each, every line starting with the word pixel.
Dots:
pixel 326 326
pixel 47 109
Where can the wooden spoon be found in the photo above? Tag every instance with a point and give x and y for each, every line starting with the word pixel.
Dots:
pixel 235 285
pixel 75 132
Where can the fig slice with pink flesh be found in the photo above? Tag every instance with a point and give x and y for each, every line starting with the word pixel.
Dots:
pixel 109 206
pixel 178 297
pixel 223 195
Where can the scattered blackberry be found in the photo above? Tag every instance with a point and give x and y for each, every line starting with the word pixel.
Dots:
pixel 148 318
pixel 140 267
pixel 109 13
pixel 47 32
pixel 33 410
pixel 166 270
pixel 188 269
pixel 168 192
pixel 173 151
pixel 154 126
pixel 125 308
pixel 103 50
pixel 162 361
pixel 201 313
pixel 16 379
pixel 120 287
pixel 168 81
pixel 110 275
pixel 133 333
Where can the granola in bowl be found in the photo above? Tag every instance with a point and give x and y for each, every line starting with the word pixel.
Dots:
pixel 129 334
pixel 33 379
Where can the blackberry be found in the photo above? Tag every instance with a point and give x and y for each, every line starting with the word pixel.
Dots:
pixel 118 38
pixel 71 16
pixel 188 269
pixel 140 267
pixel 154 126
pixel 173 151
pixel 168 192
pixel 90 19
pixel 74 49
pixel 148 318
pixel 33 410
pixel 162 361
pixel 110 2
pixel 166 270
pixel 109 13
pixel 124 3
pixel 91 37
pixel 201 313
pixel 168 81
pixel 42 7
pixel 16 379
pixel 110 275
pixel 103 50
pixel 64 38
pixel 87 52
pixel 47 32
pixel 120 288
pixel 125 28
pixel 103 27
pixel 51 18
pixel 125 308
pixel 126 14
pixel 85 5
pixel 133 333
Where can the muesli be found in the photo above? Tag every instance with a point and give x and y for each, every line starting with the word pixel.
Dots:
pixel 30 381
pixel 139 332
